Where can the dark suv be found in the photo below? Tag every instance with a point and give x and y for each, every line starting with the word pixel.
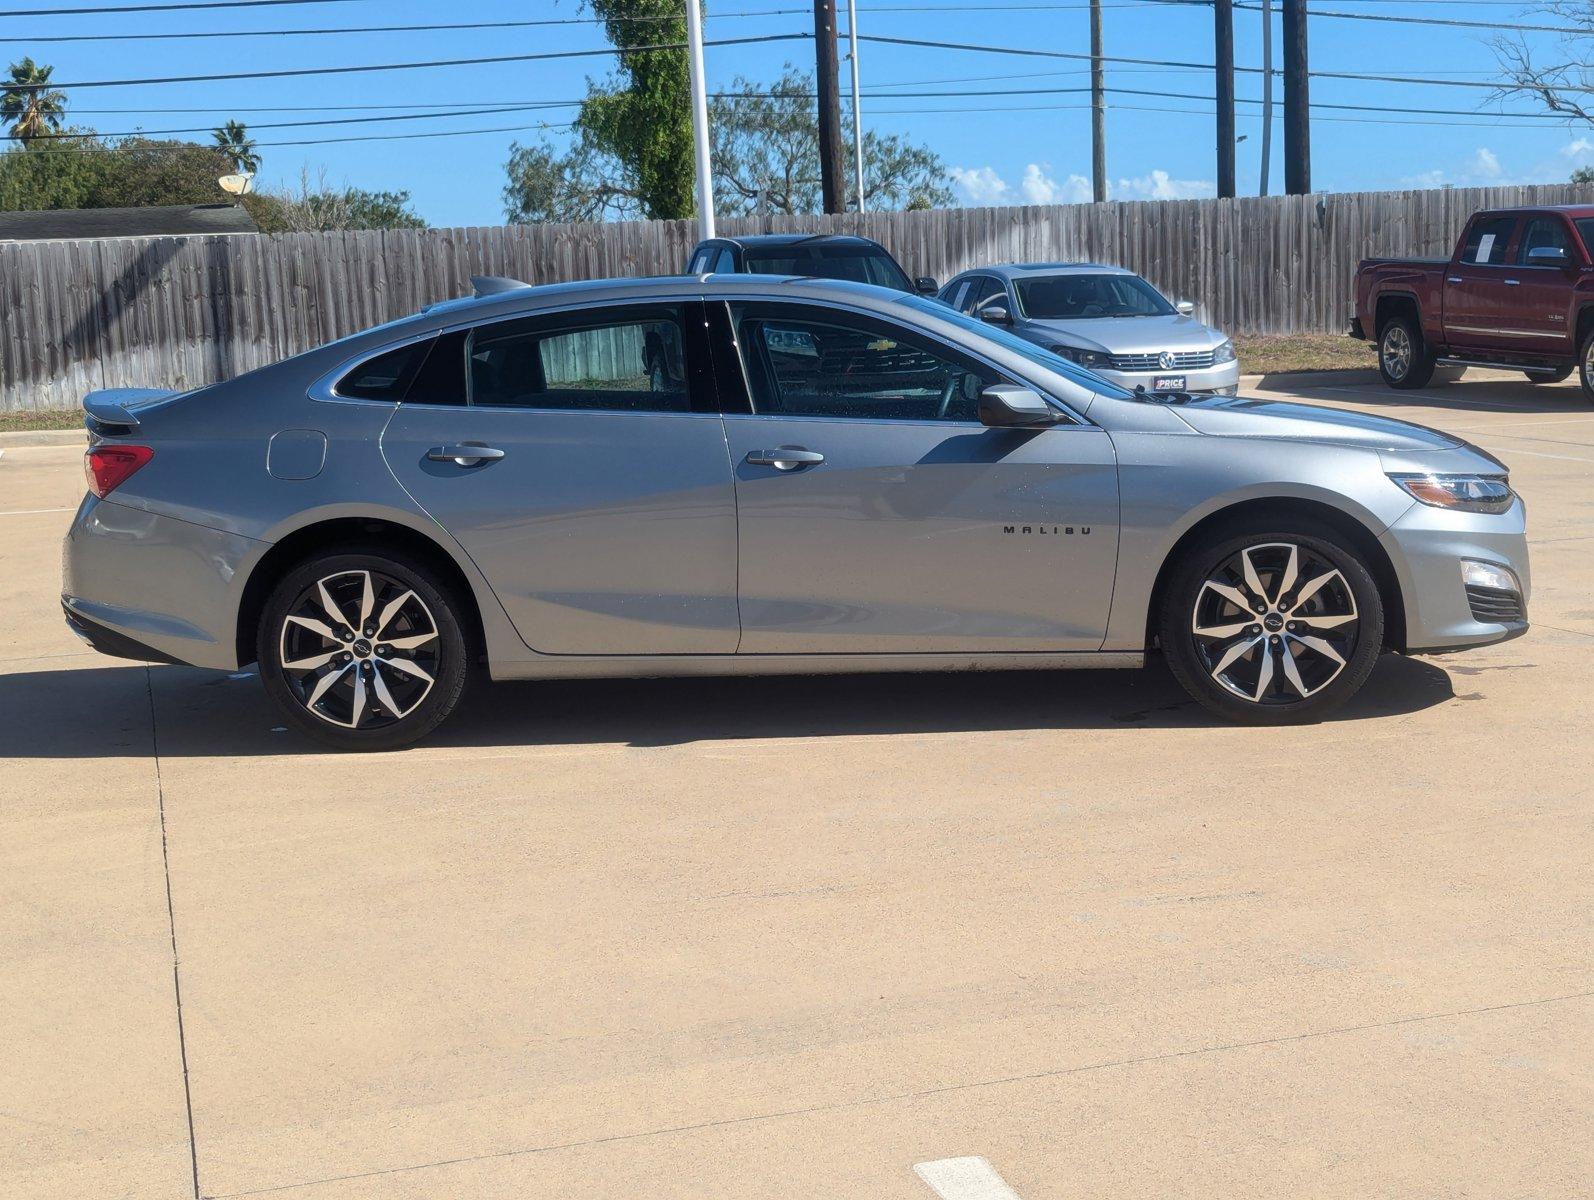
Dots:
pixel 816 255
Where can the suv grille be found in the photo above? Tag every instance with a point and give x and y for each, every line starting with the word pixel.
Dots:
pixel 1494 604
pixel 1182 360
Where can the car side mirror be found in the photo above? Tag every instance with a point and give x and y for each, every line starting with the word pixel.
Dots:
pixel 995 314
pixel 926 285
pixel 1008 406
pixel 1548 256
pixel 1186 307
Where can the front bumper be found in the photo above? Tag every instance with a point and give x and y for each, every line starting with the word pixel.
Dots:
pixel 1427 546
pixel 1223 379
pixel 135 584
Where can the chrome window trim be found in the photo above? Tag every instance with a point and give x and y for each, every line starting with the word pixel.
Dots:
pixel 323 388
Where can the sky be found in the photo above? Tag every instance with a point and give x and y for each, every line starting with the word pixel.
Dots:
pixel 1032 146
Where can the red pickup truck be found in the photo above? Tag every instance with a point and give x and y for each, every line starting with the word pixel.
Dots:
pixel 1518 293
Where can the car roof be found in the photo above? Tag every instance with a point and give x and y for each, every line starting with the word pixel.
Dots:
pixel 762 240
pixel 1020 270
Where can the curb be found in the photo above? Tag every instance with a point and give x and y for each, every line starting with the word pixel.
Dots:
pixel 43 437
pixel 1349 376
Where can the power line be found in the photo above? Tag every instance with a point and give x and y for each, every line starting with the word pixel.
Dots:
pixel 1397 18
pixel 420 116
pixel 139 8
pixel 367 68
pixel 388 137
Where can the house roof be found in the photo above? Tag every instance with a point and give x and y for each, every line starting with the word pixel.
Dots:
pixel 170 219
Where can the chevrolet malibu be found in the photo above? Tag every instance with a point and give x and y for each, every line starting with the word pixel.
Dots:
pixel 751 474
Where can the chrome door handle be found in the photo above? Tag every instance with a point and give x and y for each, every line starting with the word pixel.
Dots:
pixel 1513 283
pixel 785 458
pixel 465 454
pixel 1454 279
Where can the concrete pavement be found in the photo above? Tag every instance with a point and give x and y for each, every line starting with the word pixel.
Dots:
pixel 780 938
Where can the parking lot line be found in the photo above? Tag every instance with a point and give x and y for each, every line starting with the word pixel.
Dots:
pixel 30 512
pixel 964 1179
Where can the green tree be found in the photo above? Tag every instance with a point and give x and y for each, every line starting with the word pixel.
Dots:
pixel 233 140
pixel 1583 175
pixel 29 105
pixel 766 155
pixel 320 207
pixel 78 169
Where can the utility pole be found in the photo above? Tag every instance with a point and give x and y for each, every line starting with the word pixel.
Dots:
pixel 1267 94
pixel 1098 109
pixel 829 70
pixel 857 111
pixel 1223 46
pixel 1297 102
pixel 700 142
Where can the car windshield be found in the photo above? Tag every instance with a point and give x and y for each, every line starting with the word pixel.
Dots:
pixel 860 264
pixel 1078 297
pixel 1038 355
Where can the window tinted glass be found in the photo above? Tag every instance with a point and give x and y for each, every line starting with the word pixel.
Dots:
pixel 859 264
pixel 725 262
pixel 441 379
pixel 1070 297
pixel 633 363
pixel 953 293
pixel 1585 230
pixel 1544 233
pixel 841 365
pixel 699 262
pixel 385 377
pixel 980 288
pixel 1487 240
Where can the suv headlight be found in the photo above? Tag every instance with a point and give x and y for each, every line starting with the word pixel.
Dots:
pixel 1085 358
pixel 1464 493
pixel 1224 353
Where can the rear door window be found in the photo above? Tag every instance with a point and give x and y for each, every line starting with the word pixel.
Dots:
pixel 1487 241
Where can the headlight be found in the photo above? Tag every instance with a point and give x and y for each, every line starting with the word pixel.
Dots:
pixel 1465 493
pixel 1085 358
pixel 1224 353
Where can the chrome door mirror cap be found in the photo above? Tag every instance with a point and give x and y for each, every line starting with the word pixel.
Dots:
pixel 1186 308
pixel 1009 406
pixel 1548 256
pixel 996 314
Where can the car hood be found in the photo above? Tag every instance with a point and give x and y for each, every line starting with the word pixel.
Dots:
pixel 1237 416
pixel 1128 335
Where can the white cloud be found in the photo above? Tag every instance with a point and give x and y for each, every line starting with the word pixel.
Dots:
pixel 1159 185
pixel 1578 150
pixel 1484 164
pixel 980 185
pixel 1040 188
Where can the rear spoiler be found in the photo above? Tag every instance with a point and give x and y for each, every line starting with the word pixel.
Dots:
pixel 110 410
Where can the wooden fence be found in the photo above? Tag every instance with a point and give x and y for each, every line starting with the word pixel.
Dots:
pixel 180 312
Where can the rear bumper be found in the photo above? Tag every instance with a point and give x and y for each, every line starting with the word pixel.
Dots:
pixel 136 584
pixel 1427 547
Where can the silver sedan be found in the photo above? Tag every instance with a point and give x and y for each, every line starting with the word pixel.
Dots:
pixel 746 474
pixel 1104 318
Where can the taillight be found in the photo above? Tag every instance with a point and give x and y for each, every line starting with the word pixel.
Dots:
pixel 107 467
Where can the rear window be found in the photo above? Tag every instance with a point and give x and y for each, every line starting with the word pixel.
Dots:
pixel 387 376
pixel 1487 240
pixel 856 263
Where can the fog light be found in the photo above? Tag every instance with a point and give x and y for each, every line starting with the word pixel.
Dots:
pixel 1487 575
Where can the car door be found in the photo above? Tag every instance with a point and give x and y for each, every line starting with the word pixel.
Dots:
pixel 579 458
pixel 1475 295
pixel 877 515
pixel 1544 282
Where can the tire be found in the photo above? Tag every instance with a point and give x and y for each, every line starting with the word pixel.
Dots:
pixel 1270 667
pixel 1404 360
pixel 1585 365
pixel 380 684
pixel 1557 376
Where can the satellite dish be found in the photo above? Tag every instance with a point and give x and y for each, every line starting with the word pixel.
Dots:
pixel 237 185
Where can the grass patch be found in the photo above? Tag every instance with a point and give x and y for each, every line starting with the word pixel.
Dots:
pixel 27 420
pixel 1267 354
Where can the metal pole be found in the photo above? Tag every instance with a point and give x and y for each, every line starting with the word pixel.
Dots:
pixel 1098 108
pixel 832 172
pixel 1297 102
pixel 1223 45
pixel 700 142
pixel 1267 93
pixel 857 112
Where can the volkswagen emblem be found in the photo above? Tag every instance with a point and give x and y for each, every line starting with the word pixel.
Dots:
pixel 1165 360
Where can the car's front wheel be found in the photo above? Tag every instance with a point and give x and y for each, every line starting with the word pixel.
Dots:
pixel 1585 365
pixel 363 649
pixel 1276 626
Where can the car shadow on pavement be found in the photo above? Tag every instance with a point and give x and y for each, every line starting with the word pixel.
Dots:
pixel 104 712
pixel 1463 395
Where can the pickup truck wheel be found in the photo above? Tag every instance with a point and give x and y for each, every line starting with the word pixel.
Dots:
pixel 1548 377
pixel 1585 365
pixel 1404 359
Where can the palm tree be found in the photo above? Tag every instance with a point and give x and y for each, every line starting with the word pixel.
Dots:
pixel 234 141
pixel 29 105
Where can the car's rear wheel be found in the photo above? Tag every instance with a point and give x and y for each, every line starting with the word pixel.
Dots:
pixel 1555 376
pixel 363 649
pixel 1275 626
pixel 1404 360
